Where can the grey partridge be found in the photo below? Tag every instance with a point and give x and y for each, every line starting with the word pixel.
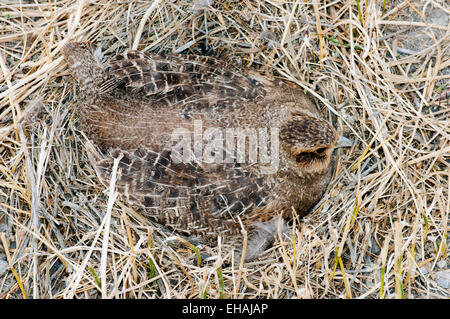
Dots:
pixel 145 106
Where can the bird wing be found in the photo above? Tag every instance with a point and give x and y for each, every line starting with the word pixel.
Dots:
pixel 183 78
pixel 188 197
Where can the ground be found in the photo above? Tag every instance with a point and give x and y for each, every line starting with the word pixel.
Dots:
pixel 378 70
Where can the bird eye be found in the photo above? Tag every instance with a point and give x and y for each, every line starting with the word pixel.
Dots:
pixel 320 151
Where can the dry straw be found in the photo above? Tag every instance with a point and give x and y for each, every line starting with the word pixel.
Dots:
pixel 379 70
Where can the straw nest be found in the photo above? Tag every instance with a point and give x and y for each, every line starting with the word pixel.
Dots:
pixel 378 70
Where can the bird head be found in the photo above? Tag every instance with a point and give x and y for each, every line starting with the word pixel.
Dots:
pixel 309 142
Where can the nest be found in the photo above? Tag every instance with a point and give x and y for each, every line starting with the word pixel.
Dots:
pixel 378 70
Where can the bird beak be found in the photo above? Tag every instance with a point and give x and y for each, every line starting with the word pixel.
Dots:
pixel 343 142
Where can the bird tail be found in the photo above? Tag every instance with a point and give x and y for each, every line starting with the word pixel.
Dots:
pixel 83 66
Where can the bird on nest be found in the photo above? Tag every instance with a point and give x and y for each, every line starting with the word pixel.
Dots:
pixel 129 112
